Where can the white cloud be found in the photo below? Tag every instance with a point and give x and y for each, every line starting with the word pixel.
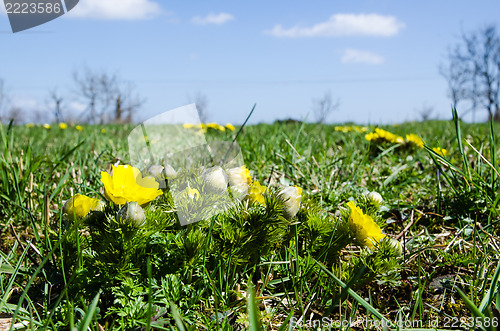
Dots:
pixel 211 18
pixel 357 56
pixel 116 9
pixel 344 25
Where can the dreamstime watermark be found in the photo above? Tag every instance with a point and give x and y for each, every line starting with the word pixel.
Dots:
pixel 26 14
pixel 204 177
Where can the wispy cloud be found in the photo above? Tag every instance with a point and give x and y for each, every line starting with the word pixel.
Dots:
pixel 211 18
pixel 344 25
pixel 358 56
pixel 116 9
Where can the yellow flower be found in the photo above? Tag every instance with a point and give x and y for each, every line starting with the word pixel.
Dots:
pixel 292 195
pixel 46 126
pixel 127 184
pixel 383 135
pixel 79 127
pixel 63 126
pixel 188 126
pixel 255 193
pixel 413 138
pixel 81 205
pixel 216 126
pixel 239 177
pixel 363 226
pixel 30 125
pixel 192 193
pixel 441 151
pixel 230 127
pixel 103 131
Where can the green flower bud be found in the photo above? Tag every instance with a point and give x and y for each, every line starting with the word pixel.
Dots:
pixel 396 245
pixel 132 213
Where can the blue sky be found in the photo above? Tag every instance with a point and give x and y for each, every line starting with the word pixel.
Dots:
pixel 380 58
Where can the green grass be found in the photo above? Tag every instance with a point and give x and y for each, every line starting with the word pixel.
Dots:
pixel 250 267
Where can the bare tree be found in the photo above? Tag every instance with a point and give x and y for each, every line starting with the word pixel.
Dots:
pixel 56 103
pixel 425 112
pixel 324 106
pixel 201 102
pixel 473 71
pixel 108 98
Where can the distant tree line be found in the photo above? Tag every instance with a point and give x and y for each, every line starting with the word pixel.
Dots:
pixel 105 98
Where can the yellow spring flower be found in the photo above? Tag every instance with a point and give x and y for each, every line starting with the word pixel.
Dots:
pixel 188 126
pixel 239 177
pixel 441 151
pixel 292 195
pixel 79 127
pixel 230 127
pixel 383 135
pixel 363 226
pixel 415 139
pixel 46 126
pixel 103 131
pixel 81 205
pixel 216 126
pixel 30 125
pixel 63 126
pixel 127 184
pixel 255 193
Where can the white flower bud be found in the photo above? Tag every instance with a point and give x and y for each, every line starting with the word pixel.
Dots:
pixel 169 171
pixel 156 171
pixel 292 196
pixel 132 213
pixel 375 198
pixel 216 179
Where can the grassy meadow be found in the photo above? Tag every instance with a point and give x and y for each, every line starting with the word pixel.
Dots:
pixel 391 233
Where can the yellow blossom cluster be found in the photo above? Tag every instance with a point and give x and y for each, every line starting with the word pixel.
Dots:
pixel 441 151
pixel 383 135
pixel 204 127
pixel 354 128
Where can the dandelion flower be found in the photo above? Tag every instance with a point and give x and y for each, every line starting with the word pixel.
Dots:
pixel 63 126
pixel 126 184
pixel 255 193
pixel 103 131
pixel 292 195
pixel 81 205
pixel 383 135
pixel 441 151
pixel 46 126
pixel 216 126
pixel 79 127
pixel 415 139
pixel 230 127
pixel 363 226
pixel 215 178
pixel 30 125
